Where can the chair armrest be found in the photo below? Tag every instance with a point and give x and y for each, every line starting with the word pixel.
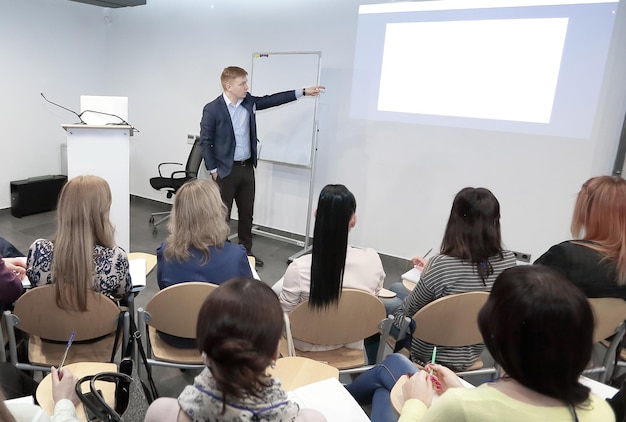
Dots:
pixel 167 163
pixel 404 328
pixel 290 347
pixel 187 174
pixel 385 328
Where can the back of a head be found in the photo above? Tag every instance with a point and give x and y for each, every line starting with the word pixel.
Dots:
pixel 83 209
pixel 82 222
pixel 197 220
pixel 335 209
pixel 239 326
pixel 539 327
pixel 600 216
pixel 473 229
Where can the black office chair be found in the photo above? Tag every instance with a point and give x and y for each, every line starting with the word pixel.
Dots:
pixel 175 180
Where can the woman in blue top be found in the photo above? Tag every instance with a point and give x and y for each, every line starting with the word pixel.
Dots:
pixel 196 249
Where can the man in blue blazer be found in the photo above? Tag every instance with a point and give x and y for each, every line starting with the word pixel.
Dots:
pixel 229 143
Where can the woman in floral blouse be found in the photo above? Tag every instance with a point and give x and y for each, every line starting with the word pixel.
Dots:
pixel 82 253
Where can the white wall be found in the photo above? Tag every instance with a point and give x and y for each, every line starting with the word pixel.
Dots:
pixel 50 46
pixel 167 57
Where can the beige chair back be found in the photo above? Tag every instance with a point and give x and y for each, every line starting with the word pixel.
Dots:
pixel 609 312
pixel 174 310
pixel 451 321
pixel 356 317
pixel 40 316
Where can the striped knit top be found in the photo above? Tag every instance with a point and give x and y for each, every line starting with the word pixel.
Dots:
pixel 445 275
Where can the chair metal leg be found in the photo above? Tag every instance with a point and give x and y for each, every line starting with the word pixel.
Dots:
pixel 162 220
pixel 159 213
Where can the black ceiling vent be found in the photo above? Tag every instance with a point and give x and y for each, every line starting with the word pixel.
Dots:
pixel 113 3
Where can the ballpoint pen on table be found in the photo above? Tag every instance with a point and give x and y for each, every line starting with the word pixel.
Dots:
pixel 432 360
pixel 67 349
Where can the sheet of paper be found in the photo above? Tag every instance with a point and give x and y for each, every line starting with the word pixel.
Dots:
pixel 255 275
pixel 601 390
pixel 413 275
pixel 137 269
pixel 22 400
pixel 331 399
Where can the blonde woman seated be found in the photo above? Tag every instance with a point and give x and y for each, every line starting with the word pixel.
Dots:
pixel 82 253
pixel 239 326
pixel 196 249
pixel 332 265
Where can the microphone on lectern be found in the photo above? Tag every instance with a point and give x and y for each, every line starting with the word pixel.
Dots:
pixel 65 108
pixel 80 115
pixel 122 121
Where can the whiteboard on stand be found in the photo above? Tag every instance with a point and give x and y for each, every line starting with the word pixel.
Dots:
pixel 286 132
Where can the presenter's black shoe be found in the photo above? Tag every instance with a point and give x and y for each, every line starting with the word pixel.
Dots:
pixel 257 262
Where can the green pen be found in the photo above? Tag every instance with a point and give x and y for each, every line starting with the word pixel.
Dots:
pixel 432 360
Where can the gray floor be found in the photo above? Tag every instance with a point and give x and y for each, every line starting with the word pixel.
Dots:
pixel 23 231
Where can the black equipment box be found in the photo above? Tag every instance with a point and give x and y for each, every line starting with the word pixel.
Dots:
pixel 35 194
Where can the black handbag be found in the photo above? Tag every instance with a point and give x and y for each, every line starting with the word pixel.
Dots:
pixel 95 406
pixel 149 388
pixel 126 365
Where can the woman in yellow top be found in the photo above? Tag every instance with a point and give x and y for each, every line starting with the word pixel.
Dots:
pixel 538 326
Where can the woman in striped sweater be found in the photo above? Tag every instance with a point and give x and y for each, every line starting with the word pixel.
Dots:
pixel 470 259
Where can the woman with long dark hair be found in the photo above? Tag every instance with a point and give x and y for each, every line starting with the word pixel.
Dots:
pixel 332 265
pixel 470 259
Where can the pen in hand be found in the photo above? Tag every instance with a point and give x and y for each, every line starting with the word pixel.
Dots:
pixel 67 349
pixel 432 360
pixel 419 263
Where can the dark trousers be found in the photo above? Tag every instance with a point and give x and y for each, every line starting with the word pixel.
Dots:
pixel 15 383
pixel 7 250
pixel 239 185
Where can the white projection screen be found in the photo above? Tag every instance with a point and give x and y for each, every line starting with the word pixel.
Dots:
pixel 527 66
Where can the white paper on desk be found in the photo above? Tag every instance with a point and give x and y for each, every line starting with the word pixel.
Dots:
pixel 255 275
pixel 599 389
pixel 137 270
pixel 413 275
pixel 331 399
pixel 22 400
